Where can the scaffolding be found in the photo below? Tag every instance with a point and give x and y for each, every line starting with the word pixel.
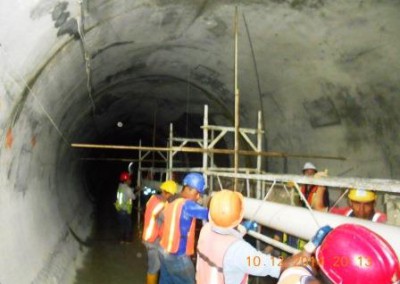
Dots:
pixel 206 146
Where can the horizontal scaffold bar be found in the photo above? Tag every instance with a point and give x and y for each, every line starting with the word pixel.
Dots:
pixel 384 185
pixel 201 150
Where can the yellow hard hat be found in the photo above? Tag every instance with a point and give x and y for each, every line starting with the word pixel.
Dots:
pixel 226 209
pixel 169 186
pixel 361 195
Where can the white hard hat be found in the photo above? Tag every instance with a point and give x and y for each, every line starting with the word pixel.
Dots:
pixel 309 166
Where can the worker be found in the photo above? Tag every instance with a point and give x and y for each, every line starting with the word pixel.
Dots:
pixel 178 236
pixel 223 257
pixel 123 205
pixel 317 196
pixel 152 228
pixel 362 205
pixel 349 254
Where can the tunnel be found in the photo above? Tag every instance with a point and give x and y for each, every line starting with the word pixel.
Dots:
pixel 323 74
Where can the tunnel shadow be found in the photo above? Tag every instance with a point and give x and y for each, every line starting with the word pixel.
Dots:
pixel 106 260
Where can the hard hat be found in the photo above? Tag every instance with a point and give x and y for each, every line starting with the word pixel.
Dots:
pixel 309 166
pixel 226 209
pixel 196 181
pixel 169 186
pixel 354 254
pixel 124 177
pixel 361 195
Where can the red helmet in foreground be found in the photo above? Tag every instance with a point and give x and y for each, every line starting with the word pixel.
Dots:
pixel 124 177
pixel 354 254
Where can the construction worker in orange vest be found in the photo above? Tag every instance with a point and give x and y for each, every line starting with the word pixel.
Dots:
pixel 223 257
pixel 153 228
pixel 178 236
pixel 362 205
pixel 317 196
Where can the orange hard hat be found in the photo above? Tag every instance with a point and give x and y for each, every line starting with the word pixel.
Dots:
pixel 226 209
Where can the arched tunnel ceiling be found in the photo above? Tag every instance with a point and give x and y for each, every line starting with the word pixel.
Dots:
pixel 319 71
pixel 325 75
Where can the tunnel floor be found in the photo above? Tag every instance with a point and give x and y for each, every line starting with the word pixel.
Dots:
pixel 108 261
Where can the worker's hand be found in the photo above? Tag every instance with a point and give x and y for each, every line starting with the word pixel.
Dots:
pixel 317 239
pixel 250 225
pixel 321 174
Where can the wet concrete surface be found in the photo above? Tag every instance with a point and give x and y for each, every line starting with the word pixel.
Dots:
pixel 109 261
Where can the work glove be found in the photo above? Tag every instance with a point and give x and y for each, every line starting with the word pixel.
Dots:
pixel 250 225
pixel 317 239
pixel 323 174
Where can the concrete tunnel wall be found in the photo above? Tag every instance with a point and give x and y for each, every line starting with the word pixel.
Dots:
pixel 326 79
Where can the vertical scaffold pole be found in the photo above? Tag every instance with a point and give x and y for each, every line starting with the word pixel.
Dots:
pixel 139 184
pixel 212 164
pixel 205 141
pixel 236 90
pixel 259 149
pixel 170 152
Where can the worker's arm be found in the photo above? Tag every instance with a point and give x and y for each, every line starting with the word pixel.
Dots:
pixel 304 258
pixel 318 202
pixel 194 210
pixel 242 257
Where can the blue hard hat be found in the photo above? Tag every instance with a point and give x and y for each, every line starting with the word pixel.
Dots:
pixel 196 181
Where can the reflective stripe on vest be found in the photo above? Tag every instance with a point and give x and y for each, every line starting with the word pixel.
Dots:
pixel 171 236
pixel 376 217
pixel 313 189
pixel 123 204
pixel 211 250
pixel 348 213
pixel 151 229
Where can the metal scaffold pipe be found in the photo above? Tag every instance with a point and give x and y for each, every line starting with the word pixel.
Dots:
pixel 382 185
pixel 201 150
pixel 237 101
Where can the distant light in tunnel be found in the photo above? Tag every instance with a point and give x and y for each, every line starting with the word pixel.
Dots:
pixel 120 124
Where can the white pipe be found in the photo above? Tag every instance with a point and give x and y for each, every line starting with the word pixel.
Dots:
pixel 298 222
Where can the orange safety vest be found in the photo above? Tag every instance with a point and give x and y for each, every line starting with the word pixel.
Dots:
pixel 378 217
pixel 151 229
pixel 171 235
pixel 311 193
pixel 211 249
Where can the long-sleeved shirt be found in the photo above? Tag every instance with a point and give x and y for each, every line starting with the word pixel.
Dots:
pixel 241 258
pixel 190 210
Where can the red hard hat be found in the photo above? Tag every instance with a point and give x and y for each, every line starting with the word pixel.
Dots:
pixel 124 177
pixel 354 254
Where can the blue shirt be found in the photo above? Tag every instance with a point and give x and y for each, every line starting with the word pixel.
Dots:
pixel 190 210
